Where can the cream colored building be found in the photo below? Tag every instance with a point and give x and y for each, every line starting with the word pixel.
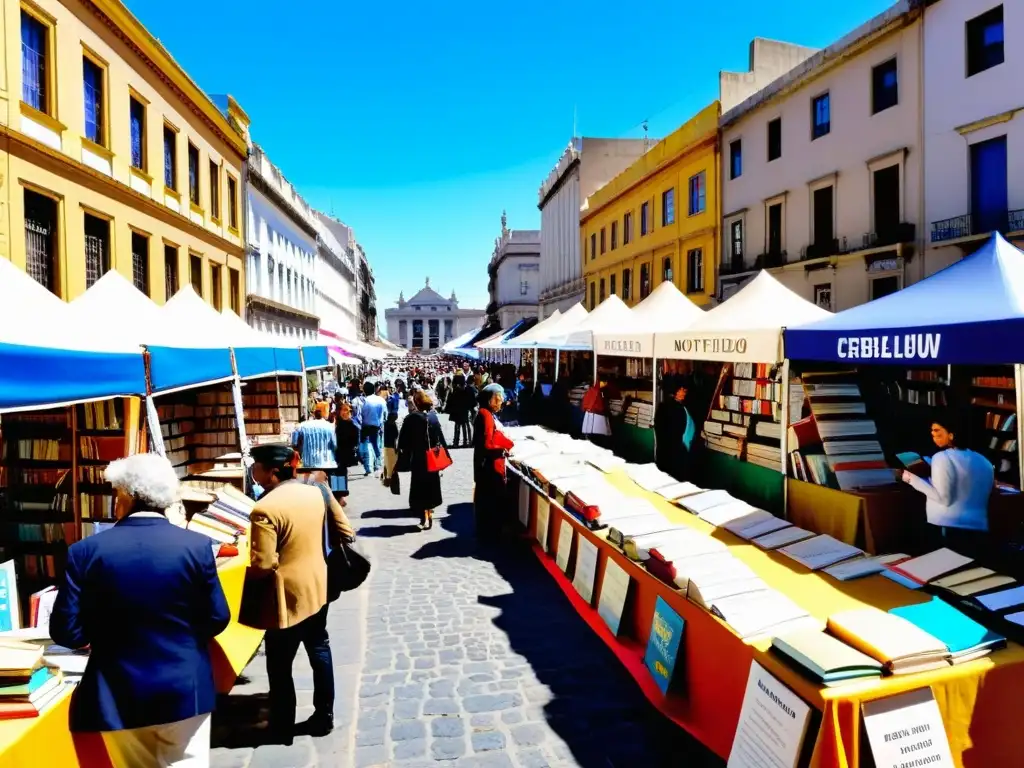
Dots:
pixel 111 157
pixel 973 125
pixel 822 169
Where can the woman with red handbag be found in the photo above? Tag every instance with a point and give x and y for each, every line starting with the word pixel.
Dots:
pixel 490 446
pixel 423 452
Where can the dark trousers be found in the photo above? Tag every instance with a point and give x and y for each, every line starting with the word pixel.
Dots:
pixel 487 509
pixel 281 647
pixel 464 431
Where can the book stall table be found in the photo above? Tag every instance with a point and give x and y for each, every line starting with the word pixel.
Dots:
pixel 977 699
pixel 740 341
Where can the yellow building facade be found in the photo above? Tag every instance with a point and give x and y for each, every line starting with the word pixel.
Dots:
pixel 111 157
pixel 657 221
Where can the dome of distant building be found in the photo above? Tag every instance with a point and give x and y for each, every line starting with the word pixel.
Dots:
pixel 427 320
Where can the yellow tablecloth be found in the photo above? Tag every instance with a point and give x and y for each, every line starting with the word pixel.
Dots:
pixel 979 700
pixel 46 741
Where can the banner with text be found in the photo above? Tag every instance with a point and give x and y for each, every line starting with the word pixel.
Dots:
pixel 763 345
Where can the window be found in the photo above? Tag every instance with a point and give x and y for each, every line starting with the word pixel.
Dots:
pixel 193 173
pixel 196 273
pixel 232 203
pixel 737 239
pixel 97 248
pixel 775 228
pixel 821 116
pixel 234 285
pixel 615 235
pixel 666 269
pixel 984 41
pixel 448 332
pixel 645 219
pixel 600 292
pixel 822 202
pixel 883 286
pixel 823 296
pixel 736 159
pixel 885 90
pixel 989 185
pixel 886 183
pixel 92 94
pixel 668 207
pixel 170 158
pixel 417 333
pixel 41 240
pixel 627 228
pixel 140 262
pixel 593 295
pixel 170 271
pixel 698 193
pixel 137 124
pixel 645 280
pixel 602 241
pixel 35 62
pixel 593 246
pixel 216 289
pixel 775 139
pixel 524 287
pixel 626 287
pixel 214 190
pixel 611 285
pixel 695 271
pixel 434 326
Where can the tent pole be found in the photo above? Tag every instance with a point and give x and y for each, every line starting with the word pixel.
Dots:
pixel 558 359
pixel 784 438
pixel 595 369
pixel 535 359
pixel 1018 371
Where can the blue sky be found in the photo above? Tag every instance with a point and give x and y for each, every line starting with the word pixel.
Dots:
pixel 417 123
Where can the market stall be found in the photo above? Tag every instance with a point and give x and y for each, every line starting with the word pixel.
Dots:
pixel 738 346
pixel 694 646
pixel 950 343
pixel 626 365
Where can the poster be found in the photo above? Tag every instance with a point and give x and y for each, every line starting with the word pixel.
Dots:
pixel 565 537
pixel 614 589
pixel 663 644
pixel 543 513
pixel 586 569
pixel 10 610
pixel 773 723
pixel 907 729
pixel 524 503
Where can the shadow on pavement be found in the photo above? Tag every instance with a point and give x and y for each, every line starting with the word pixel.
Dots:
pixel 386 531
pixel 588 699
pixel 240 721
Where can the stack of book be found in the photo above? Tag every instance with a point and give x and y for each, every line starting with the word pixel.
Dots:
pixel 826 660
pixel 965 638
pixel 901 647
pixel 226 518
pixel 27 684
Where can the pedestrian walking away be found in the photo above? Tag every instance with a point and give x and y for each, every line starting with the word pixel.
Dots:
pixel 421 430
pixel 287 552
pixel 460 410
pixel 373 412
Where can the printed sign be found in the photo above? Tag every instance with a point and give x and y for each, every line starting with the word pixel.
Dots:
pixel 772 726
pixel 906 346
pixel 663 644
pixel 565 536
pixel 906 730
pixel 624 346
pixel 524 503
pixel 716 345
pixel 586 569
pixel 614 590
pixel 543 513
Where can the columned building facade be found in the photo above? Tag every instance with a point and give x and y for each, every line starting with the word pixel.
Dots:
pixel 514 276
pixel 281 265
pixel 584 167
pixel 428 321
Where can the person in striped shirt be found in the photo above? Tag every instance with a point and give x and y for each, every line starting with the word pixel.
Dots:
pixel 315 441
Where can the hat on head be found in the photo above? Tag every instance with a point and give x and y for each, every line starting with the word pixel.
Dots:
pixel 274 455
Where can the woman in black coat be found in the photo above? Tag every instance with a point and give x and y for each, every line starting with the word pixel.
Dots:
pixel 346 452
pixel 421 430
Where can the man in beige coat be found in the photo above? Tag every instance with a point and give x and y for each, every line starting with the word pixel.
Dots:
pixel 290 523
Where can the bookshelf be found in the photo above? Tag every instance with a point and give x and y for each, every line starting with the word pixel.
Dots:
pixel 992 419
pixel 745 418
pixel 52 490
pixel 630 395
pixel 198 427
pixel 270 407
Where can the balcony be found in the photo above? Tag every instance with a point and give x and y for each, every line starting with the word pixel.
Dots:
pixel 770 259
pixel 820 250
pixel 904 232
pixel 733 266
pixel 969 225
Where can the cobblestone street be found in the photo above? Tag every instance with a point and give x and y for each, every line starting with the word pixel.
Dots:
pixel 444 658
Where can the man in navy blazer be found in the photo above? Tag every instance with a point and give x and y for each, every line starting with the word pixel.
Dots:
pixel 146 599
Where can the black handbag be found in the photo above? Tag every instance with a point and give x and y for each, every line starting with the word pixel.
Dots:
pixel 347 566
pixel 395 483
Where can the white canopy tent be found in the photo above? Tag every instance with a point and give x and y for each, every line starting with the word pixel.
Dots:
pixel 610 314
pixel 745 328
pixel 115 308
pixel 539 331
pixel 665 309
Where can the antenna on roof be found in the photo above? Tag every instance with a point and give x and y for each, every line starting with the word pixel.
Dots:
pixel 647 144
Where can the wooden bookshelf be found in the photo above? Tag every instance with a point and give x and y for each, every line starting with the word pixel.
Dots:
pixel 992 425
pixel 745 417
pixel 198 426
pixel 270 407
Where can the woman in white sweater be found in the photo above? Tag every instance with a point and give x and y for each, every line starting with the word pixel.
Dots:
pixel 957 492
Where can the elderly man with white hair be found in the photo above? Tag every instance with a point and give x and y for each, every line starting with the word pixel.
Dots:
pixel 146 598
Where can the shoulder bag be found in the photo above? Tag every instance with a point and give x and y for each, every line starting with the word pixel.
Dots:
pixel 438 458
pixel 347 566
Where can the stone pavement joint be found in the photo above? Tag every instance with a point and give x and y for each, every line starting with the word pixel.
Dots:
pixel 447 658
